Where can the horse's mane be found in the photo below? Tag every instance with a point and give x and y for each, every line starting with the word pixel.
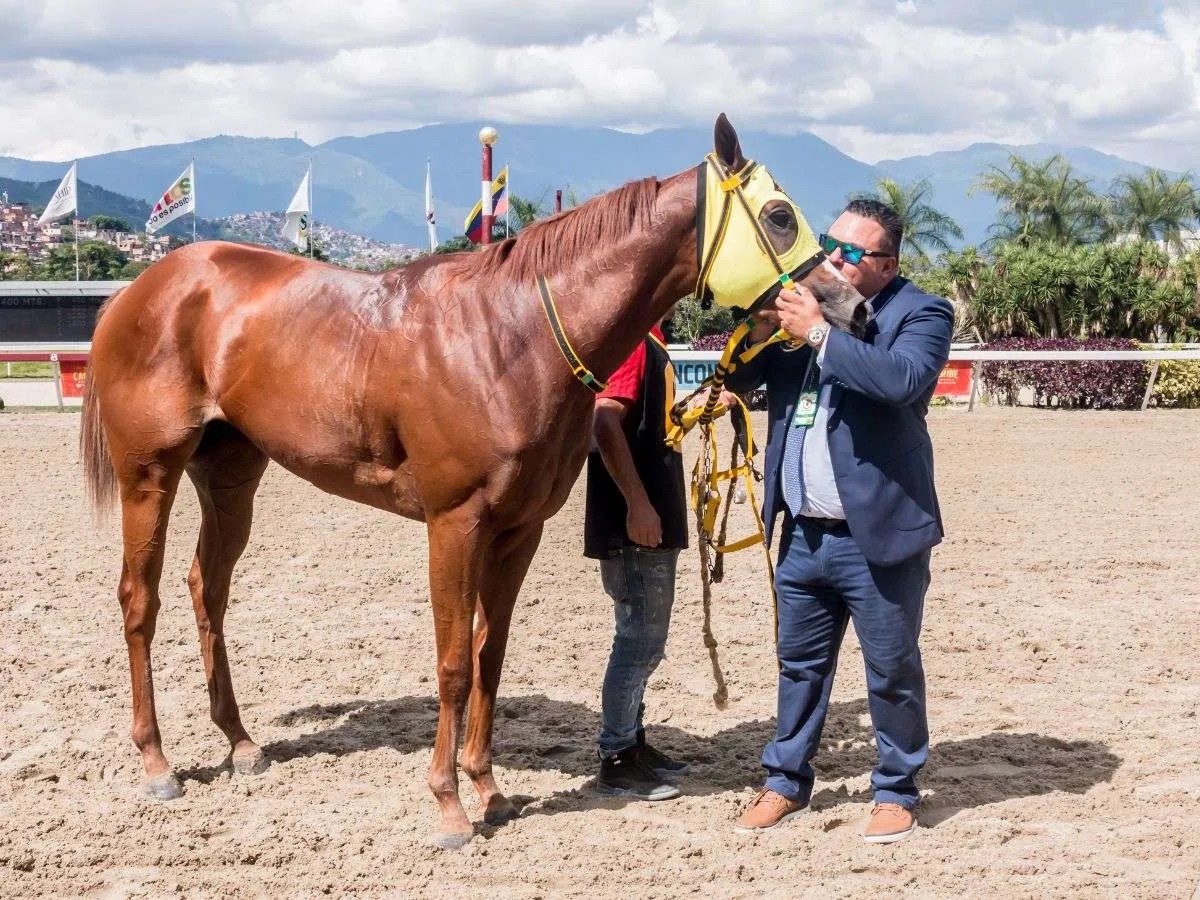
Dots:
pixel 542 248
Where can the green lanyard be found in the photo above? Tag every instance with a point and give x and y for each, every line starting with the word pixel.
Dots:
pixel 806 403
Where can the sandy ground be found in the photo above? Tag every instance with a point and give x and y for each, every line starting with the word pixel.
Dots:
pixel 1060 642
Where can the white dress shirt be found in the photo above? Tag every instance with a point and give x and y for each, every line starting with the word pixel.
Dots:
pixel 821 497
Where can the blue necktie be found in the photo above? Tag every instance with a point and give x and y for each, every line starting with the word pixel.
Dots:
pixel 792 468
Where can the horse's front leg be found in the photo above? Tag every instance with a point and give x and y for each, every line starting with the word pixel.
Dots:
pixel 499 583
pixel 456 545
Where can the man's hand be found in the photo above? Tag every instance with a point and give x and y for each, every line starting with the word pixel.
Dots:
pixel 725 399
pixel 643 525
pixel 798 311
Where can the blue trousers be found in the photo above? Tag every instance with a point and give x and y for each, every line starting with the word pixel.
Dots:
pixel 641 583
pixel 822 581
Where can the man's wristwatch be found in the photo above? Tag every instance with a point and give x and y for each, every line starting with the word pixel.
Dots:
pixel 817 334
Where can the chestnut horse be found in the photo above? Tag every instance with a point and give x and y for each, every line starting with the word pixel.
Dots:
pixel 435 391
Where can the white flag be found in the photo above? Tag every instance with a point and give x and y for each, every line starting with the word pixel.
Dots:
pixel 430 218
pixel 180 198
pixel 65 199
pixel 295 225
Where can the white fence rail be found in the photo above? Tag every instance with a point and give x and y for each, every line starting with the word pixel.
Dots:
pixel 692 366
pixel 1077 355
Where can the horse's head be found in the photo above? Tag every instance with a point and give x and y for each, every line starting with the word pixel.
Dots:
pixel 753 239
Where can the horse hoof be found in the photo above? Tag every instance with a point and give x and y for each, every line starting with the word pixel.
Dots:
pixel 163 787
pixel 452 840
pixel 500 814
pixel 254 763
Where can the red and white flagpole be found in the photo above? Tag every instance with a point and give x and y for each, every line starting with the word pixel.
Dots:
pixel 487 137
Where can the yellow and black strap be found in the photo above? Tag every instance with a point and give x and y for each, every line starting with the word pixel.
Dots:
pixel 578 369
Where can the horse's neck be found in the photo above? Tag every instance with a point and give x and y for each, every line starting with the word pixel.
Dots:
pixel 610 301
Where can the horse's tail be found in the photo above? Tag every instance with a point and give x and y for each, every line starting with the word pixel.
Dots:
pixel 99 475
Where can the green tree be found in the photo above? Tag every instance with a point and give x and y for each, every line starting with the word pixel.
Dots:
pixel 1043 201
pixel 521 212
pixel 1097 290
pixel 692 320
pixel 925 228
pixel 16 267
pixel 456 244
pixel 957 278
pixel 1154 207
pixel 133 269
pixel 317 252
pixel 109 223
pixel 98 261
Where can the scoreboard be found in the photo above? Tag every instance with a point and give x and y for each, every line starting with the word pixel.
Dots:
pixel 50 312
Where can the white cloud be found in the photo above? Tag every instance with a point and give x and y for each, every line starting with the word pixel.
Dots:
pixel 878 78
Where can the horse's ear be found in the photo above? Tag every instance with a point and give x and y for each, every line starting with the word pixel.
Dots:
pixel 725 142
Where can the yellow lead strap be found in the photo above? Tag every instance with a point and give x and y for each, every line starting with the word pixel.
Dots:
pixel 707 503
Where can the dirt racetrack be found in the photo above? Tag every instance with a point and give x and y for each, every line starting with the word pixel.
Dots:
pixel 1060 644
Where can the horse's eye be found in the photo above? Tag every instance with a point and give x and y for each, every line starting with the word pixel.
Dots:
pixel 781 217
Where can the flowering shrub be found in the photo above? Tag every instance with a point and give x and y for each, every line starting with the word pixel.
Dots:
pixel 1177 383
pixel 1102 384
pixel 712 341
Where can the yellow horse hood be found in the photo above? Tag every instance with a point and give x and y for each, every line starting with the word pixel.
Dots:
pixel 738 265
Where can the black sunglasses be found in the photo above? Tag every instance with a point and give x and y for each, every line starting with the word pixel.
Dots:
pixel 851 253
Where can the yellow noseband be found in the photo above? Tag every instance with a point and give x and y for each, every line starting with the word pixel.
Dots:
pixel 738 265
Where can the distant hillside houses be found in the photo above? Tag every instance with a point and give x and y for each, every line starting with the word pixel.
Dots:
pixel 343 247
pixel 20 233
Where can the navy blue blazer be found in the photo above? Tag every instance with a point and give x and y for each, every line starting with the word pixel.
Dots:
pixel 878 443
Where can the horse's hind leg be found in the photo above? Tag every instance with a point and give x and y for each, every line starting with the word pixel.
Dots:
pixel 499 584
pixel 148 480
pixel 226 470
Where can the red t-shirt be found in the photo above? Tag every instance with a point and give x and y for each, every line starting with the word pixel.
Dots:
pixel 626 383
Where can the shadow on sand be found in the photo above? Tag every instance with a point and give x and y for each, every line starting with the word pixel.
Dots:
pixel 536 732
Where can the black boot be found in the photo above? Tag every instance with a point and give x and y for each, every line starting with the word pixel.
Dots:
pixel 659 762
pixel 626 774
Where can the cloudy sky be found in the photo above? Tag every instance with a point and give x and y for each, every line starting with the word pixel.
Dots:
pixel 877 78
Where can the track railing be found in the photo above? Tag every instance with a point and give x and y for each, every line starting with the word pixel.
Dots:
pixel 75 353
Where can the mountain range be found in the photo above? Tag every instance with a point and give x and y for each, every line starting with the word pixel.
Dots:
pixel 374 185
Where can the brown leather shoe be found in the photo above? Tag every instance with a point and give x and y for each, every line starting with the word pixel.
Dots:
pixel 889 822
pixel 767 810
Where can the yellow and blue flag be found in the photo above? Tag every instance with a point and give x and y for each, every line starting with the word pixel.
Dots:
pixel 474 223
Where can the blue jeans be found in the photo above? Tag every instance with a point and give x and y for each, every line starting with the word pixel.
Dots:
pixel 823 581
pixel 641 583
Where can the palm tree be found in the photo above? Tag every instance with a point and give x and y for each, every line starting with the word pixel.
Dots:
pixel 525 211
pixel 521 212
pixel 1043 201
pixel 1153 207
pixel 925 228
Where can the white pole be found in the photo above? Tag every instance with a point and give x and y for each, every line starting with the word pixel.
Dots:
pixel 312 223
pixel 1150 385
pixel 195 198
pixel 75 221
pixel 430 215
pixel 56 371
pixel 509 193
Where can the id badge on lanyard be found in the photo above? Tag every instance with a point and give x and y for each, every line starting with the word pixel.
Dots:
pixel 806 403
